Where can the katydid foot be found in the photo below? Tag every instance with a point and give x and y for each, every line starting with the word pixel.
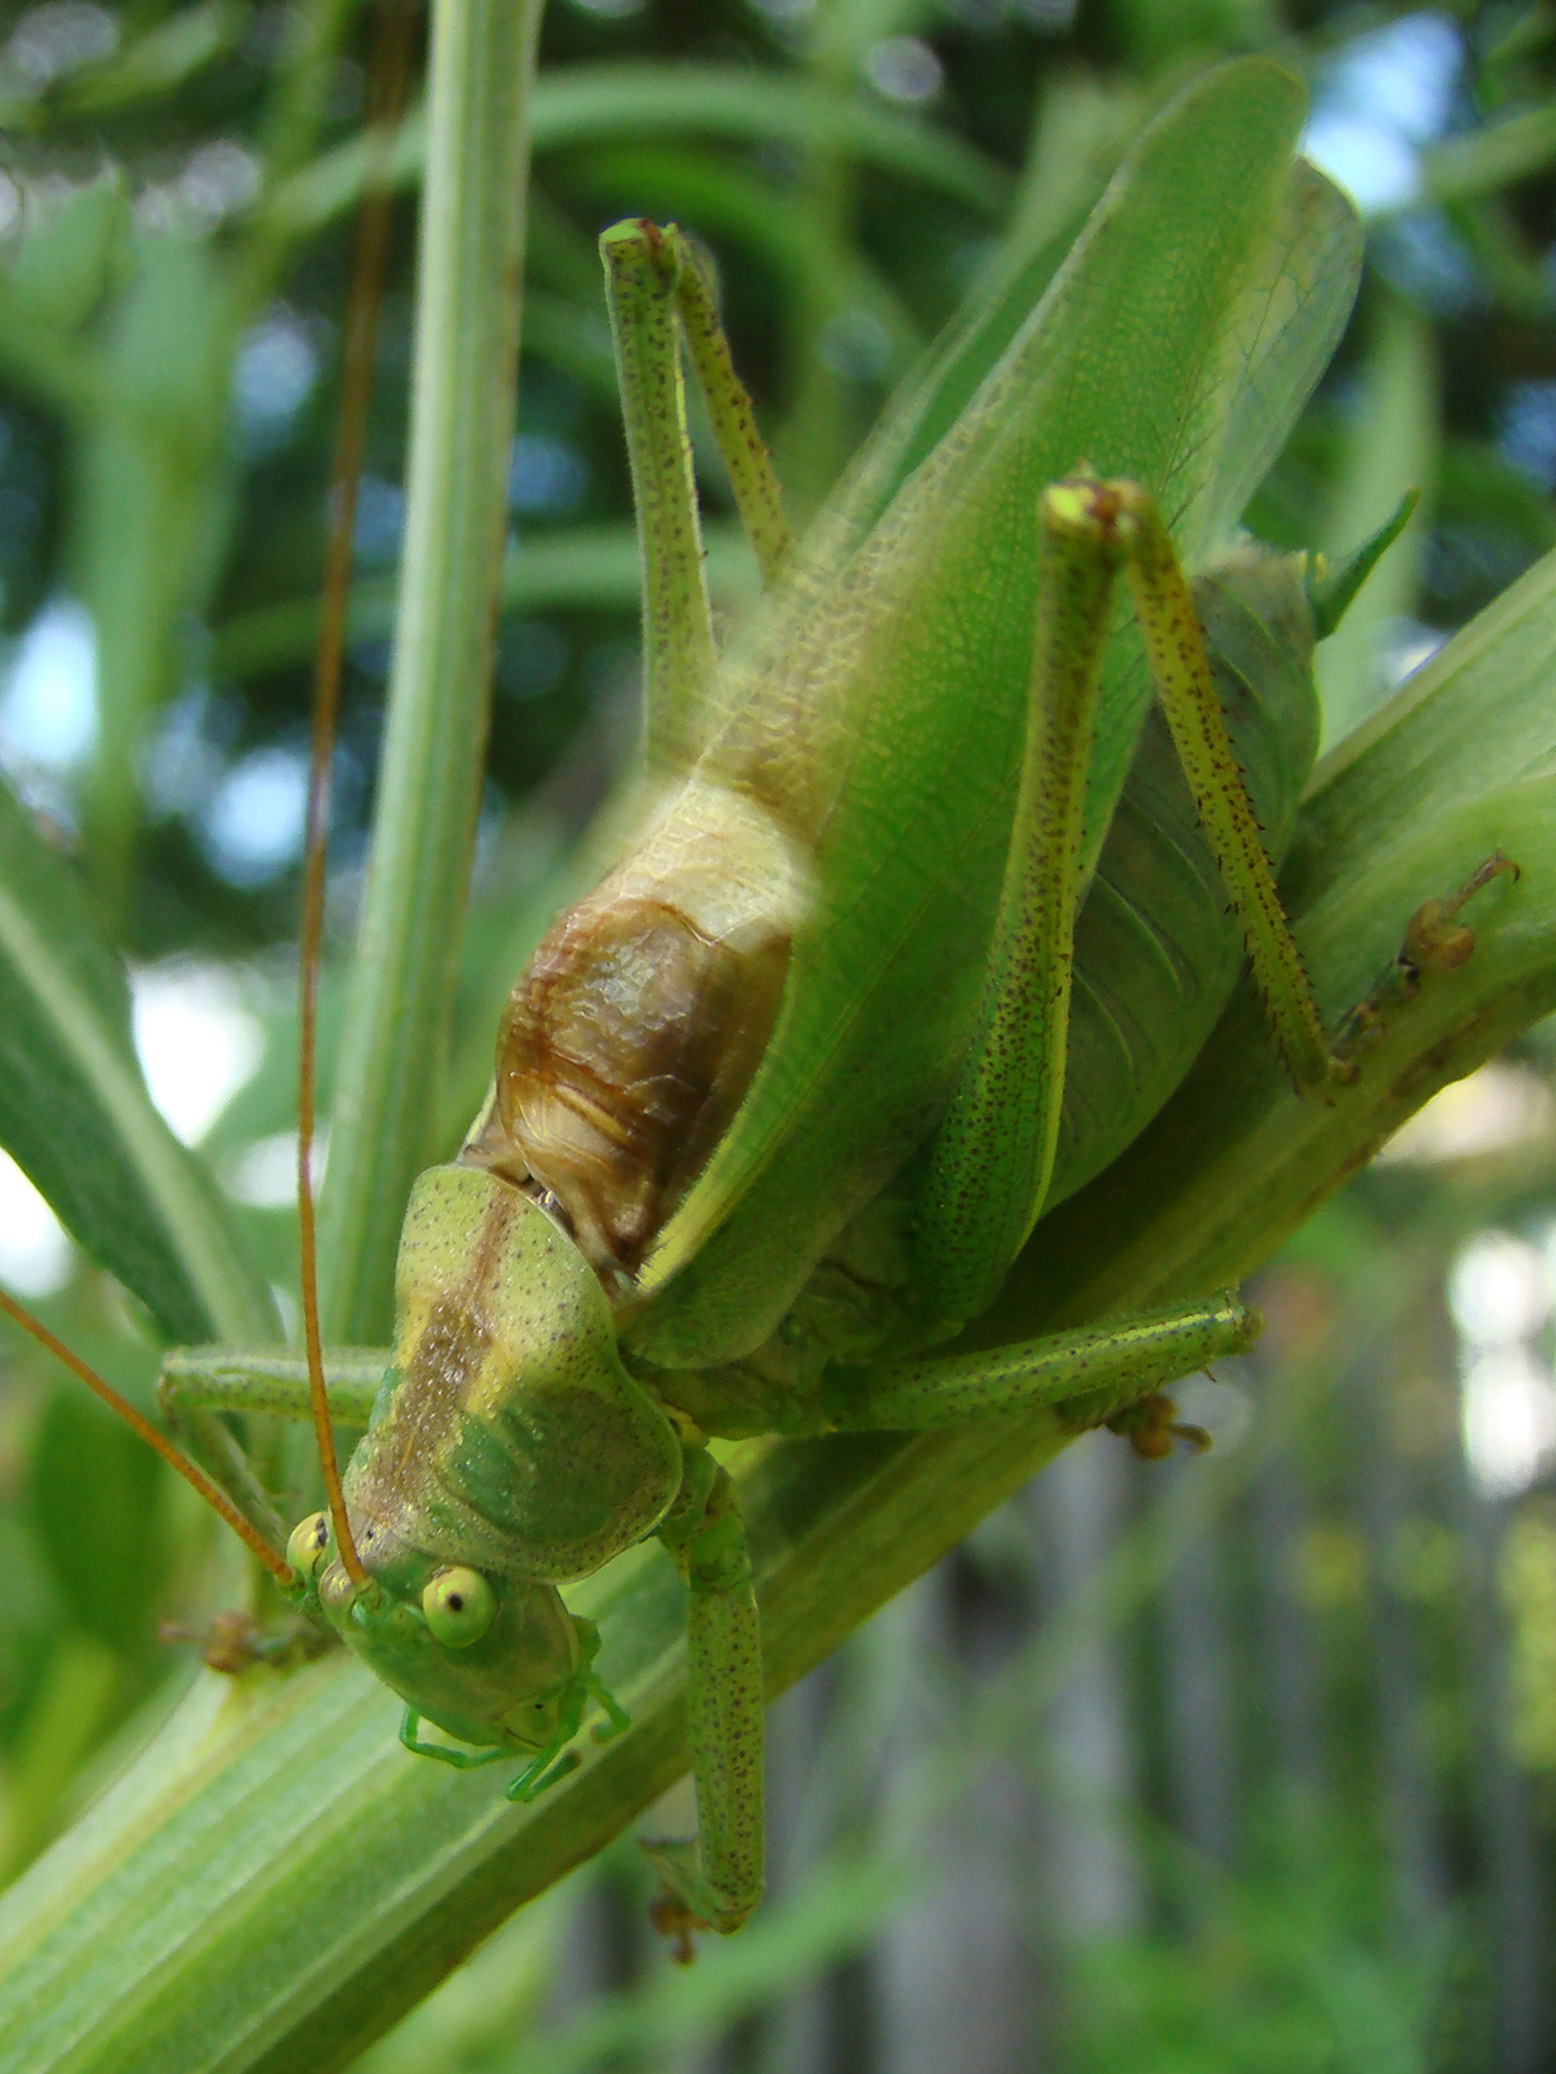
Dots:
pixel 234 1642
pixel 1151 1425
pixel 1435 943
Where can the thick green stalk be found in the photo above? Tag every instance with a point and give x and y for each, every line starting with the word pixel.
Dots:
pixel 398 1012
pixel 276 1882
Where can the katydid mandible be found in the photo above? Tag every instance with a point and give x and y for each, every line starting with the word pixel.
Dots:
pixel 582 1302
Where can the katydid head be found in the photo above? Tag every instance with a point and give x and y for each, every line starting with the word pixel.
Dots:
pixel 494 1660
pixel 509 1450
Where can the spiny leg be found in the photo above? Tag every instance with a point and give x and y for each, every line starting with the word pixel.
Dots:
pixel 994 1152
pixel 197 1381
pixel 1175 645
pixel 271 1380
pixel 653 286
pixel 993 1155
pixel 715 1880
pixel 741 447
pixel 556 1760
pixel 678 653
pixel 1120 1360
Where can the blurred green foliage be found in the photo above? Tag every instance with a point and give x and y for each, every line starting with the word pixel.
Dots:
pixel 1338 1860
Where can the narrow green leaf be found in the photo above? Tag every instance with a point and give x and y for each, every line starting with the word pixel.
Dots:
pixel 576 568
pixel 1391 448
pixel 1483 161
pixel 75 1113
pixel 584 103
pixel 162 59
pixel 61 267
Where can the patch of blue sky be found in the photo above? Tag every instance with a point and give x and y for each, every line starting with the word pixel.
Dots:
pixel 252 828
pixel 1383 97
pixel 48 706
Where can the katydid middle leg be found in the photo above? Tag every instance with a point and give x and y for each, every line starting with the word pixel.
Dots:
pixel 1114 1362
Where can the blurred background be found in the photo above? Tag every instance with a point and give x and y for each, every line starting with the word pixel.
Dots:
pixel 1244 1761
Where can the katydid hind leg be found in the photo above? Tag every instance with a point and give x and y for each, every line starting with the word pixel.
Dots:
pixel 1434 940
pixel 1118 1361
pixel 1175 646
pixel 994 1151
pixel 715 1880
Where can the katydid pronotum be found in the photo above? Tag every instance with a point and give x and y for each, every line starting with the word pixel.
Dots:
pixel 626 1260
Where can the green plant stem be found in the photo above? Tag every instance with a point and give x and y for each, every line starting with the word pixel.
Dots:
pixel 153 468
pixel 401 998
pixel 293 118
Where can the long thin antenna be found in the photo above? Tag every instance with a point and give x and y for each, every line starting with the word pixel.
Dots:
pixel 212 1493
pixel 389 78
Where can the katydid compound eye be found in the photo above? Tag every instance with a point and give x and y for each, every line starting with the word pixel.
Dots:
pixel 308 1544
pixel 459 1606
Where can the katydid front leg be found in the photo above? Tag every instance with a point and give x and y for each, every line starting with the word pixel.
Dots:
pixel 715 1879
pixel 993 1156
pixel 272 1380
pixel 197 1381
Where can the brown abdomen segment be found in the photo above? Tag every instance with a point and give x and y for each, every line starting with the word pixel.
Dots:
pixel 637 1026
pixel 622 1058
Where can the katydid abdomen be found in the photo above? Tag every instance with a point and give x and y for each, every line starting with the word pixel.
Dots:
pixel 634 1031
pixel 612 1097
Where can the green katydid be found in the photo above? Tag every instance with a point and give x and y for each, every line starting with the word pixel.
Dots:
pixel 777 1105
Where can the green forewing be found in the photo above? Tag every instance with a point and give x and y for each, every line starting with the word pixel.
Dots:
pixel 1291 320
pixel 881 700
pixel 1294 308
